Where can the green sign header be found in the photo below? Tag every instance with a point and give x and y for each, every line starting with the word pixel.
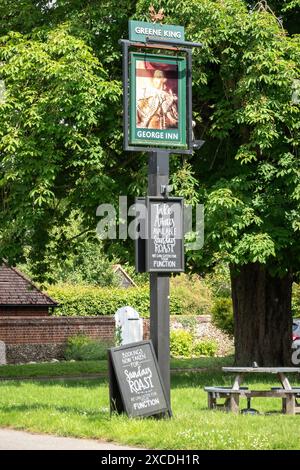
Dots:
pixel 140 30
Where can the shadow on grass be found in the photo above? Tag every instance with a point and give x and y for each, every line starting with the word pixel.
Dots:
pixel 219 378
pixel 181 380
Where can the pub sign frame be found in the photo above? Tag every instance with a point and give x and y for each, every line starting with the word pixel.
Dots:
pixel 169 69
pixel 149 145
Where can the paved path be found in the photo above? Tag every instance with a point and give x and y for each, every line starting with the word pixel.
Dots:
pixel 20 440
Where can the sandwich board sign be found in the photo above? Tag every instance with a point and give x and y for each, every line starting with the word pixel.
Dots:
pixel 135 383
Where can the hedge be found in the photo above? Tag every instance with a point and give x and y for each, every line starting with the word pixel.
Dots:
pixel 92 301
pixel 76 300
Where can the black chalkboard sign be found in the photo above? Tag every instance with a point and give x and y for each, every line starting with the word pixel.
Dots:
pixel 136 385
pixel 165 241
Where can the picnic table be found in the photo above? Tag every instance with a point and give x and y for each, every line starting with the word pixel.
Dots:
pixel 232 395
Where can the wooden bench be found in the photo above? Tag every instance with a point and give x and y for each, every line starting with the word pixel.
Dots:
pixel 232 397
pixel 294 389
pixel 296 392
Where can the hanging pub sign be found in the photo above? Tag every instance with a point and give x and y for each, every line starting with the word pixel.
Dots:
pixel 157 96
pixel 135 381
pixel 165 235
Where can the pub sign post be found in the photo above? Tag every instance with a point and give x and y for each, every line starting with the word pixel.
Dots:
pixel 157 107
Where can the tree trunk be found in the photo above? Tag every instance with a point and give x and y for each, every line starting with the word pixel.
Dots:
pixel 262 316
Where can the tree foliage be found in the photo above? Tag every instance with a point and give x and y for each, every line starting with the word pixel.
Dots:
pixel 60 123
pixel 54 129
pixel 60 127
pixel 248 173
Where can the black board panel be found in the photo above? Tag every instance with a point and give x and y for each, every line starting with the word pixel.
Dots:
pixel 165 235
pixel 136 385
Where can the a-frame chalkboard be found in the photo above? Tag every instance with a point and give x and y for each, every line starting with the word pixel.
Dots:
pixel 135 383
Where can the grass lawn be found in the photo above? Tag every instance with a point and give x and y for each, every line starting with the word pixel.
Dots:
pixel 94 367
pixel 52 369
pixel 80 408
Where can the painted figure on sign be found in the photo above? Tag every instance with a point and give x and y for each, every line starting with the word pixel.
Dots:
pixel 157 105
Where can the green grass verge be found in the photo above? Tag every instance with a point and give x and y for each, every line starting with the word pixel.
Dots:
pixel 80 408
pixel 53 369
pixel 201 362
pixel 95 367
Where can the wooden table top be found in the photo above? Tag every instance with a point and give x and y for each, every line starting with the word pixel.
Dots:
pixel 265 370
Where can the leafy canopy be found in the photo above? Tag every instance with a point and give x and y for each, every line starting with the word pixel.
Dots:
pixel 248 172
pixel 60 126
pixel 54 129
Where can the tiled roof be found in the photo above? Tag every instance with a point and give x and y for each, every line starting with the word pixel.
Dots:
pixel 17 289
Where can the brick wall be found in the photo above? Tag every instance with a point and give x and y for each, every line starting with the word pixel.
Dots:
pixel 39 338
pixel 30 330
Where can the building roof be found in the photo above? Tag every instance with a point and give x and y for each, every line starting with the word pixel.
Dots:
pixel 117 269
pixel 17 290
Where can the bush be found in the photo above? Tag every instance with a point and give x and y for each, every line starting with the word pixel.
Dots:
pixel 222 315
pixel 205 348
pixel 184 344
pixel 188 323
pixel 82 348
pixel 181 343
pixel 189 296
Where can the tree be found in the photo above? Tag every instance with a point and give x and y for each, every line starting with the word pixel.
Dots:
pixel 89 265
pixel 248 172
pixel 77 257
pixel 54 128
pixel 60 130
pixel 60 142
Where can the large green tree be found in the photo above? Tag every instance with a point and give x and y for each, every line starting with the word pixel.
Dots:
pixel 249 171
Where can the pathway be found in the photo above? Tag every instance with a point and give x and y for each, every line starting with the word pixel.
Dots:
pixel 20 440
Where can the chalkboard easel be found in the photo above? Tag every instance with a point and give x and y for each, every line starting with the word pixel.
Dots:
pixel 135 382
